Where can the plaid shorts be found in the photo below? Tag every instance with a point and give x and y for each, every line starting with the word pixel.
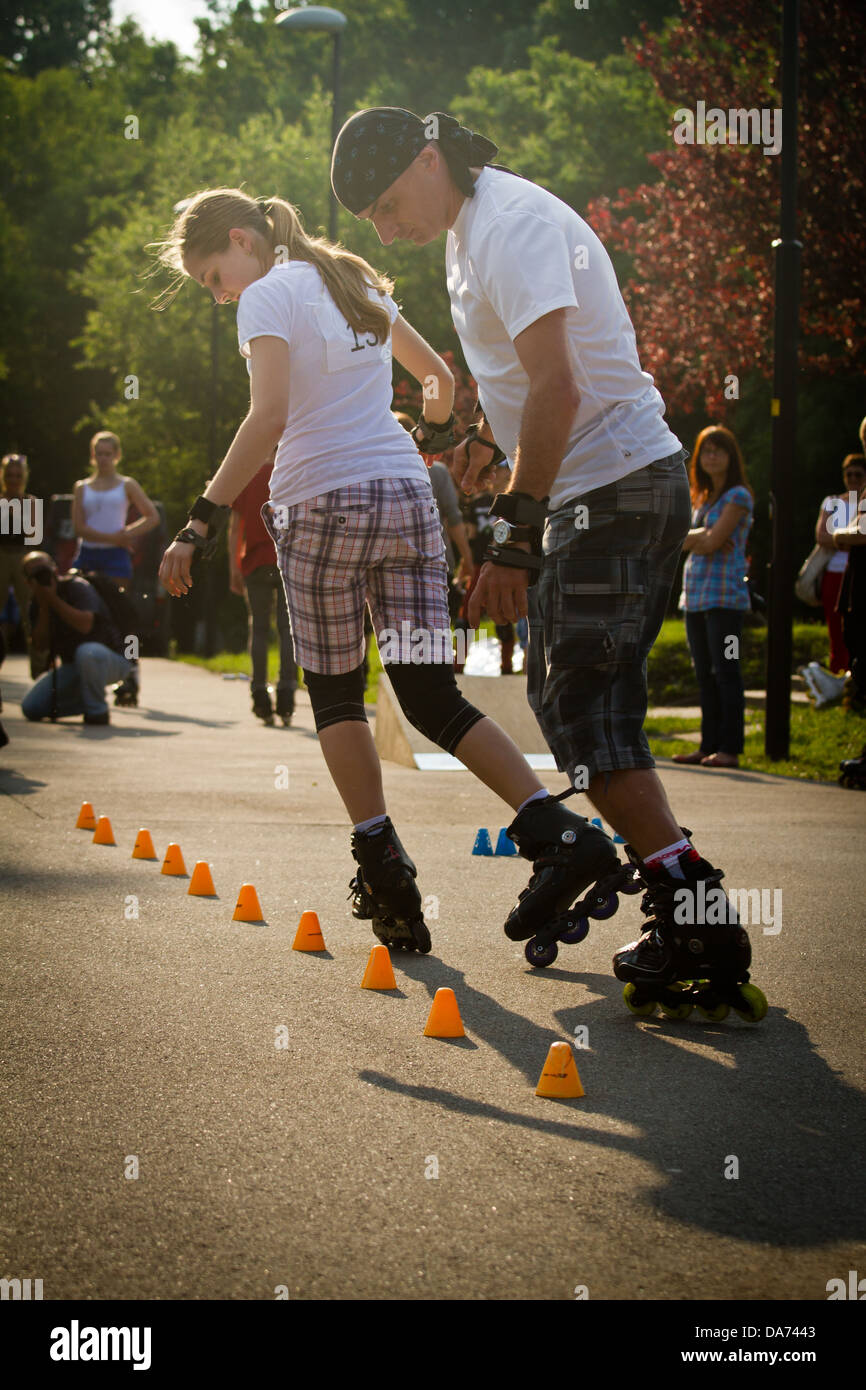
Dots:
pixel 595 612
pixel 376 542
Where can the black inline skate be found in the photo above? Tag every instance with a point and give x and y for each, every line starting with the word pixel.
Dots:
pixel 384 891
pixel 262 707
pixel 852 773
pixel 285 706
pixel 568 854
pixel 126 691
pixel 693 952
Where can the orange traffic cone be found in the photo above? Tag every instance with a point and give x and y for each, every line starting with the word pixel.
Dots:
pixel 173 862
pixel 201 883
pixel 559 1080
pixel 247 909
pixel 104 835
pixel 380 972
pixel 86 818
pixel 143 846
pixel 444 1019
pixel 309 937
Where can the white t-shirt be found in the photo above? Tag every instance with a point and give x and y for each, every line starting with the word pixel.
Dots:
pixel 339 429
pixel 515 253
pixel 845 509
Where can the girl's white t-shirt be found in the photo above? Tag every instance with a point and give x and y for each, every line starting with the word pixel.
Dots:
pixel 339 428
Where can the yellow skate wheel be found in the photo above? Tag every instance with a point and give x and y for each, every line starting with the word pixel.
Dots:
pixel 755 1004
pixel 715 1015
pixel 641 1010
pixel 676 1011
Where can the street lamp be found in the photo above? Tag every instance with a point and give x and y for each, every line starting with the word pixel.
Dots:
pixel 323 19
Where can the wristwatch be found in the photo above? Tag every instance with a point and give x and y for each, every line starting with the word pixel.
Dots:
pixel 506 534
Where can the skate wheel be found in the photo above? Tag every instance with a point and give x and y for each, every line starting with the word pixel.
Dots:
pixel 755 1004
pixel 540 954
pixel 642 1008
pixel 716 1015
pixel 602 906
pixel 676 1011
pixel 421 936
pixel 633 886
pixel 577 932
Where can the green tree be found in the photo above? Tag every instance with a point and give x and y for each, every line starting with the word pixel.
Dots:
pixel 39 34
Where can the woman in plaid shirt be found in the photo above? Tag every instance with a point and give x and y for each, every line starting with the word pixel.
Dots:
pixel 715 595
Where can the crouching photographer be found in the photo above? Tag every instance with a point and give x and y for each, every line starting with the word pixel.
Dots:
pixel 70 620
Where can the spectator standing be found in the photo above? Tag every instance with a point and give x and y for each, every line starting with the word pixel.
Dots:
pixel 255 576
pixel 715 593
pixel 13 549
pixel 837 512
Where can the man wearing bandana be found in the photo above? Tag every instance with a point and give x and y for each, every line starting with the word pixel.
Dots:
pixel 592 521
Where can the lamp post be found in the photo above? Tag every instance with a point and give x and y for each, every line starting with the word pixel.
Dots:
pixel 325 20
pixel 777 729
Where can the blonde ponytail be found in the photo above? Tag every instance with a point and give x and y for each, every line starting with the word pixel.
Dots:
pixel 203 227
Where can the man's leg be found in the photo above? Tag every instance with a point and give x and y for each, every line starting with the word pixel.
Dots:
pixel 258 594
pixel 98 666
pixel 37 702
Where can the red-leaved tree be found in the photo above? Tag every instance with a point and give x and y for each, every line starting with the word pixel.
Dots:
pixel 701 288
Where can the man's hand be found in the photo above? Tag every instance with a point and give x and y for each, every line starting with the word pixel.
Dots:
pixel 43 593
pixel 502 592
pixel 472 467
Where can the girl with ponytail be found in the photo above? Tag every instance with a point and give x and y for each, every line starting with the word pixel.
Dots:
pixel 351 510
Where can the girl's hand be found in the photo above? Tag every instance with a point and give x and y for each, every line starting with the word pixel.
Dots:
pixel 175 572
pixel 236 583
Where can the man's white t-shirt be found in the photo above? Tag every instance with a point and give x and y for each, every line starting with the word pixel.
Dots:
pixel 845 509
pixel 514 254
pixel 339 429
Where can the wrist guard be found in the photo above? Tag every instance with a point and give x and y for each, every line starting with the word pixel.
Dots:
pixel 214 517
pixel 473 437
pixel 520 508
pixel 513 558
pixel 434 439
pixel 204 545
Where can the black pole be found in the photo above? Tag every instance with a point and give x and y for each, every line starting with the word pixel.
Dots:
pixel 335 129
pixel 777 731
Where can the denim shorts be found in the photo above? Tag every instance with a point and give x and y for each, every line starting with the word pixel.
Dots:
pixel 610 558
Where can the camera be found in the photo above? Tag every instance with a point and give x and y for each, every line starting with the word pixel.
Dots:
pixel 42 576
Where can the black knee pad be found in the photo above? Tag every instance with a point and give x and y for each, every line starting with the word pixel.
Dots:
pixel 430 700
pixel 336 699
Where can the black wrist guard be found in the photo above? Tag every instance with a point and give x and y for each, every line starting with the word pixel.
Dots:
pixel 434 439
pixel 204 545
pixel 214 517
pixel 520 508
pixel 513 558
pixel 473 437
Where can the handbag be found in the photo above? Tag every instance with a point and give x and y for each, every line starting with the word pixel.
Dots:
pixel 807 586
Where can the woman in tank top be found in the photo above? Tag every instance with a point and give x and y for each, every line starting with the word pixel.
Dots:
pixel 99 507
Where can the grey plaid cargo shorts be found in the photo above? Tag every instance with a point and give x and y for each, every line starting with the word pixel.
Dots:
pixel 595 612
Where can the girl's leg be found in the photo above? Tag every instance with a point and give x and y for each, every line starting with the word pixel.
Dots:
pixel 724 631
pixel 353 762
pixel 696 634
pixel 831 583
pixel 496 761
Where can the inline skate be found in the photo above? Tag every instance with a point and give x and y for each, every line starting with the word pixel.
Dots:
pixel 285 706
pixel 852 773
pixel 384 891
pixel 693 953
pixel 126 691
pixel 568 854
pixel 262 707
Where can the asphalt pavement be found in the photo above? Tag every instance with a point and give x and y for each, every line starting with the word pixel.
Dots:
pixel 194 1110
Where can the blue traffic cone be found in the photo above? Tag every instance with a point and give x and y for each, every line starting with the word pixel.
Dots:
pixel 504 845
pixel 482 843
pixel 596 821
pixel 618 840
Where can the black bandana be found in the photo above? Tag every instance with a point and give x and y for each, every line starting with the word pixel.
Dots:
pixel 377 145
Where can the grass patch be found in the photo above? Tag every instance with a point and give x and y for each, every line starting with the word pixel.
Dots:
pixel 820 739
